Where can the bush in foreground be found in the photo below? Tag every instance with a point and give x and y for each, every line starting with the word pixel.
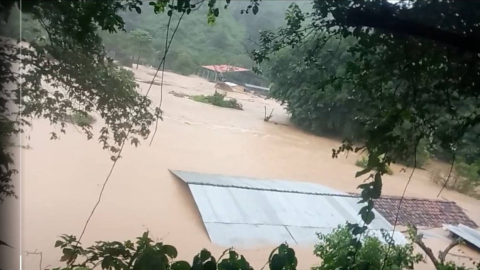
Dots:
pixel 337 251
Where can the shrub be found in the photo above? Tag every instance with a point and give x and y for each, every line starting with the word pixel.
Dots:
pixel 423 155
pixel 183 64
pixel 465 177
pixel 145 253
pixel 218 99
pixel 335 251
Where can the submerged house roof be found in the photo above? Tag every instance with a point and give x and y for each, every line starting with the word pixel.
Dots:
pixel 422 212
pixel 257 87
pixel 225 68
pixel 245 212
pixel 468 234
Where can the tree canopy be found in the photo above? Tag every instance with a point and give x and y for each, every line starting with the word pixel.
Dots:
pixel 67 72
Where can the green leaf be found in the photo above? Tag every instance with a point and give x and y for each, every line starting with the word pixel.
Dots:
pixel 210 265
pixel 359 230
pixel 362 172
pixel 205 255
pixel 255 10
pixel 277 262
pixel 180 265
pixel 233 255
pixel 216 12
pixel 171 251
pixel 291 255
pixel 139 10
pixel 58 243
pixel 243 263
pixel 169 13
pixel 106 263
pixel 368 216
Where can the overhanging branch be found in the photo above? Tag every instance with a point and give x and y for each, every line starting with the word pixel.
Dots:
pixel 386 21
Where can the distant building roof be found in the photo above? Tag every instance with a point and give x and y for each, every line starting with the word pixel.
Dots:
pixel 246 212
pixel 257 87
pixel 225 68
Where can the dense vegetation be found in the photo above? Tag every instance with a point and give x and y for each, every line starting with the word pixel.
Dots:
pixel 401 97
pixel 333 250
pixel 227 41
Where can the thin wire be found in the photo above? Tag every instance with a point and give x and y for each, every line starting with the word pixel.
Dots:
pixel 449 174
pixel 121 149
pixel 163 70
pixel 103 188
pixel 400 203
pixel 162 63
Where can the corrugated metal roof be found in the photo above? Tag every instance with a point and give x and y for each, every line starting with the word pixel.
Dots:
pixel 468 234
pixel 257 87
pixel 225 68
pixel 245 212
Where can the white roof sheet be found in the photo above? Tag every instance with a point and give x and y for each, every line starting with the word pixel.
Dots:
pixel 246 212
pixel 466 233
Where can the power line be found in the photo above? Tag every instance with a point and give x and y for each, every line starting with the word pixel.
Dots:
pixel 400 203
pixel 449 174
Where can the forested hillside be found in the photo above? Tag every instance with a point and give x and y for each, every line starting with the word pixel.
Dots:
pixel 196 43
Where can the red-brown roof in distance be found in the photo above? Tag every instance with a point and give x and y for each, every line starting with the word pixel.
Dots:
pixel 225 68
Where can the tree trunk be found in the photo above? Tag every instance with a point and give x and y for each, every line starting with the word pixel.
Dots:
pixel 138 59
pixel 443 254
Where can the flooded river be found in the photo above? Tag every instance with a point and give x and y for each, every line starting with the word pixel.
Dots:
pixel 61 179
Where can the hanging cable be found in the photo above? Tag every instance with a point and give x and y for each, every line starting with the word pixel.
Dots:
pixel 449 174
pixel 400 203
pixel 162 63
pixel 124 140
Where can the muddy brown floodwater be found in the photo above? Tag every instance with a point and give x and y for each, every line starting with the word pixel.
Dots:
pixel 62 179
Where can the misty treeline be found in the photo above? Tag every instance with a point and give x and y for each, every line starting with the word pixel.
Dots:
pixel 227 41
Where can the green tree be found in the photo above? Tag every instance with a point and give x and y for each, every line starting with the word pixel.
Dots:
pixel 141 40
pixel 68 72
